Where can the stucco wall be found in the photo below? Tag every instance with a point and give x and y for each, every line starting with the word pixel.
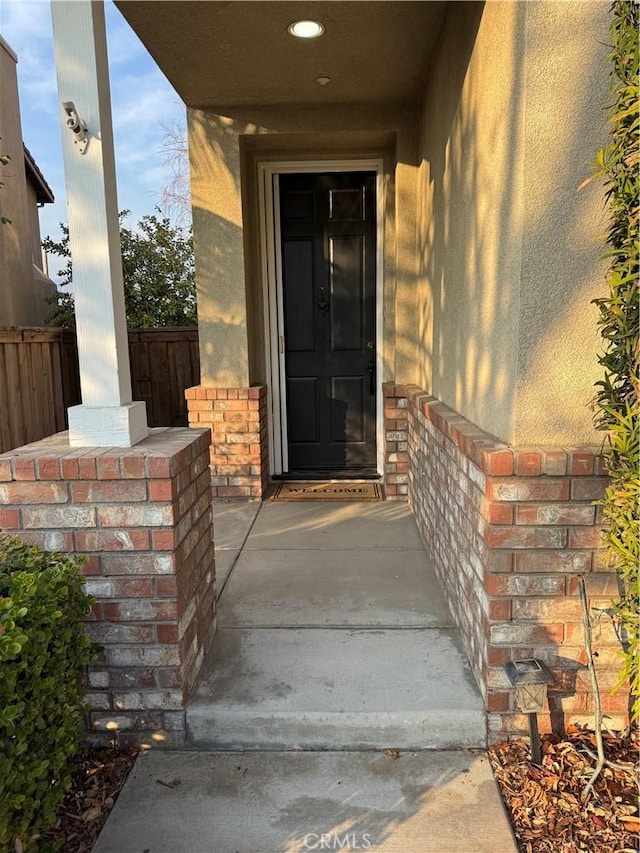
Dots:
pixel 470 187
pixel 492 254
pixel 15 240
pixel 567 92
pixel 509 248
pixel 224 150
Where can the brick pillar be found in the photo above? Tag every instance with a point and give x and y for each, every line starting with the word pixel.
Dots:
pixel 396 434
pixel 507 530
pixel 237 418
pixel 143 517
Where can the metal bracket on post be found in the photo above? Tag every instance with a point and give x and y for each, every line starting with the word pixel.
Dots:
pixel 76 125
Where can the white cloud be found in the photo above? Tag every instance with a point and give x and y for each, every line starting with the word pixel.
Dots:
pixel 27 27
pixel 123 44
pixel 26 20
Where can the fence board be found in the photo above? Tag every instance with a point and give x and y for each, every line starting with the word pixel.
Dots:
pixel 5 408
pixel 33 376
pixel 140 374
pixel 160 376
pixel 70 371
pixel 17 411
pixel 183 376
pixel 39 378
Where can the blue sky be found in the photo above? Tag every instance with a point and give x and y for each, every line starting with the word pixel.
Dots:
pixel 138 88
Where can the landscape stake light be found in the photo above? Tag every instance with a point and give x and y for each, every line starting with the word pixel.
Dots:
pixel 530 678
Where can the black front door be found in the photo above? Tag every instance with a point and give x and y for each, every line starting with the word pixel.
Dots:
pixel 328 229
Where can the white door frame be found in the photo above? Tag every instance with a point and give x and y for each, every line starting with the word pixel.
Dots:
pixel 270 244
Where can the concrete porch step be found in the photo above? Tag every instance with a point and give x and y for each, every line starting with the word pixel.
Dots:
pixel 335 689
pixel 353 588
pixel 272 802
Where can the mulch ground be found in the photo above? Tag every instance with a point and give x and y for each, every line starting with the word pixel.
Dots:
pixel 546 805
pixel 99 778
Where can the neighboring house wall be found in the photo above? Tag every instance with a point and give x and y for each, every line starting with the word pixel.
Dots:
pixel 41 286
pixel 510 248
pixel 24 285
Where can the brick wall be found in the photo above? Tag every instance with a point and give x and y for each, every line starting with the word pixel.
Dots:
pixel 143 517
pixel 396 435
pixel 507 530
pixel 239 454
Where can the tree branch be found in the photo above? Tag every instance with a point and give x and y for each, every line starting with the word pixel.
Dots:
pixel 597 707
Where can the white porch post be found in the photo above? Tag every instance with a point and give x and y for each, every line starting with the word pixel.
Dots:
pixel 107 416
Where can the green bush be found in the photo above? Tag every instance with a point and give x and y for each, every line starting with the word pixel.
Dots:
pixel 619 318
pixel 43 657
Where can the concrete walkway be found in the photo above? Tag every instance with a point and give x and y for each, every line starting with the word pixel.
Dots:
pixel 337 710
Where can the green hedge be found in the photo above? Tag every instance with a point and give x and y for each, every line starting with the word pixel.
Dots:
pixel 619 319
pixel 43 657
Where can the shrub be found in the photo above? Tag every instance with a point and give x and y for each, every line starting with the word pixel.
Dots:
pixel 43 656
pixel 617 394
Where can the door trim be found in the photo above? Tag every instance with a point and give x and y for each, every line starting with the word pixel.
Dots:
pixel 272 295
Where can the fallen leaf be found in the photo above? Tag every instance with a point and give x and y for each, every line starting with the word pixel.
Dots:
pixel 92 814
pixel 544 803
pixel 392 753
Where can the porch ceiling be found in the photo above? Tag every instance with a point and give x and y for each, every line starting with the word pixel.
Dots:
pixel 218 53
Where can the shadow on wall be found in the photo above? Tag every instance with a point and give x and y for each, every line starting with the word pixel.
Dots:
pixel 222 309
pixel 215 139
pixel 506 260
pixel 562 265
pixel 224 313
pixel 468 221
pixel 508 248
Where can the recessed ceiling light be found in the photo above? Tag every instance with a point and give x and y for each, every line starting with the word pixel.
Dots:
pixel 305 29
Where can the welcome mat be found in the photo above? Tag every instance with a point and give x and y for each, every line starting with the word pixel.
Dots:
pixel 341 490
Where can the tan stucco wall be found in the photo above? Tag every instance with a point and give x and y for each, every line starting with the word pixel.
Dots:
pixel 23 288
pixel 471 213
pixel 567 76
pixel 492 254
pixel 224 152
pixel 510 250
pixel 15 250
pixel 218 239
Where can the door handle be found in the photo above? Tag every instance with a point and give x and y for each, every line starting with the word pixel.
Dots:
pixel 322 303
pixel 371 368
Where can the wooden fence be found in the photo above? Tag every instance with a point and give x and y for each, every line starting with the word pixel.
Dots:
pixel 39 378
pixel 163 363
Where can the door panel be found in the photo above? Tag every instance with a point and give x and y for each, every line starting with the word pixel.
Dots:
pixel 328 233
pixel 299 261
pixel 304 420
pixel 346 271
pixel 347 409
